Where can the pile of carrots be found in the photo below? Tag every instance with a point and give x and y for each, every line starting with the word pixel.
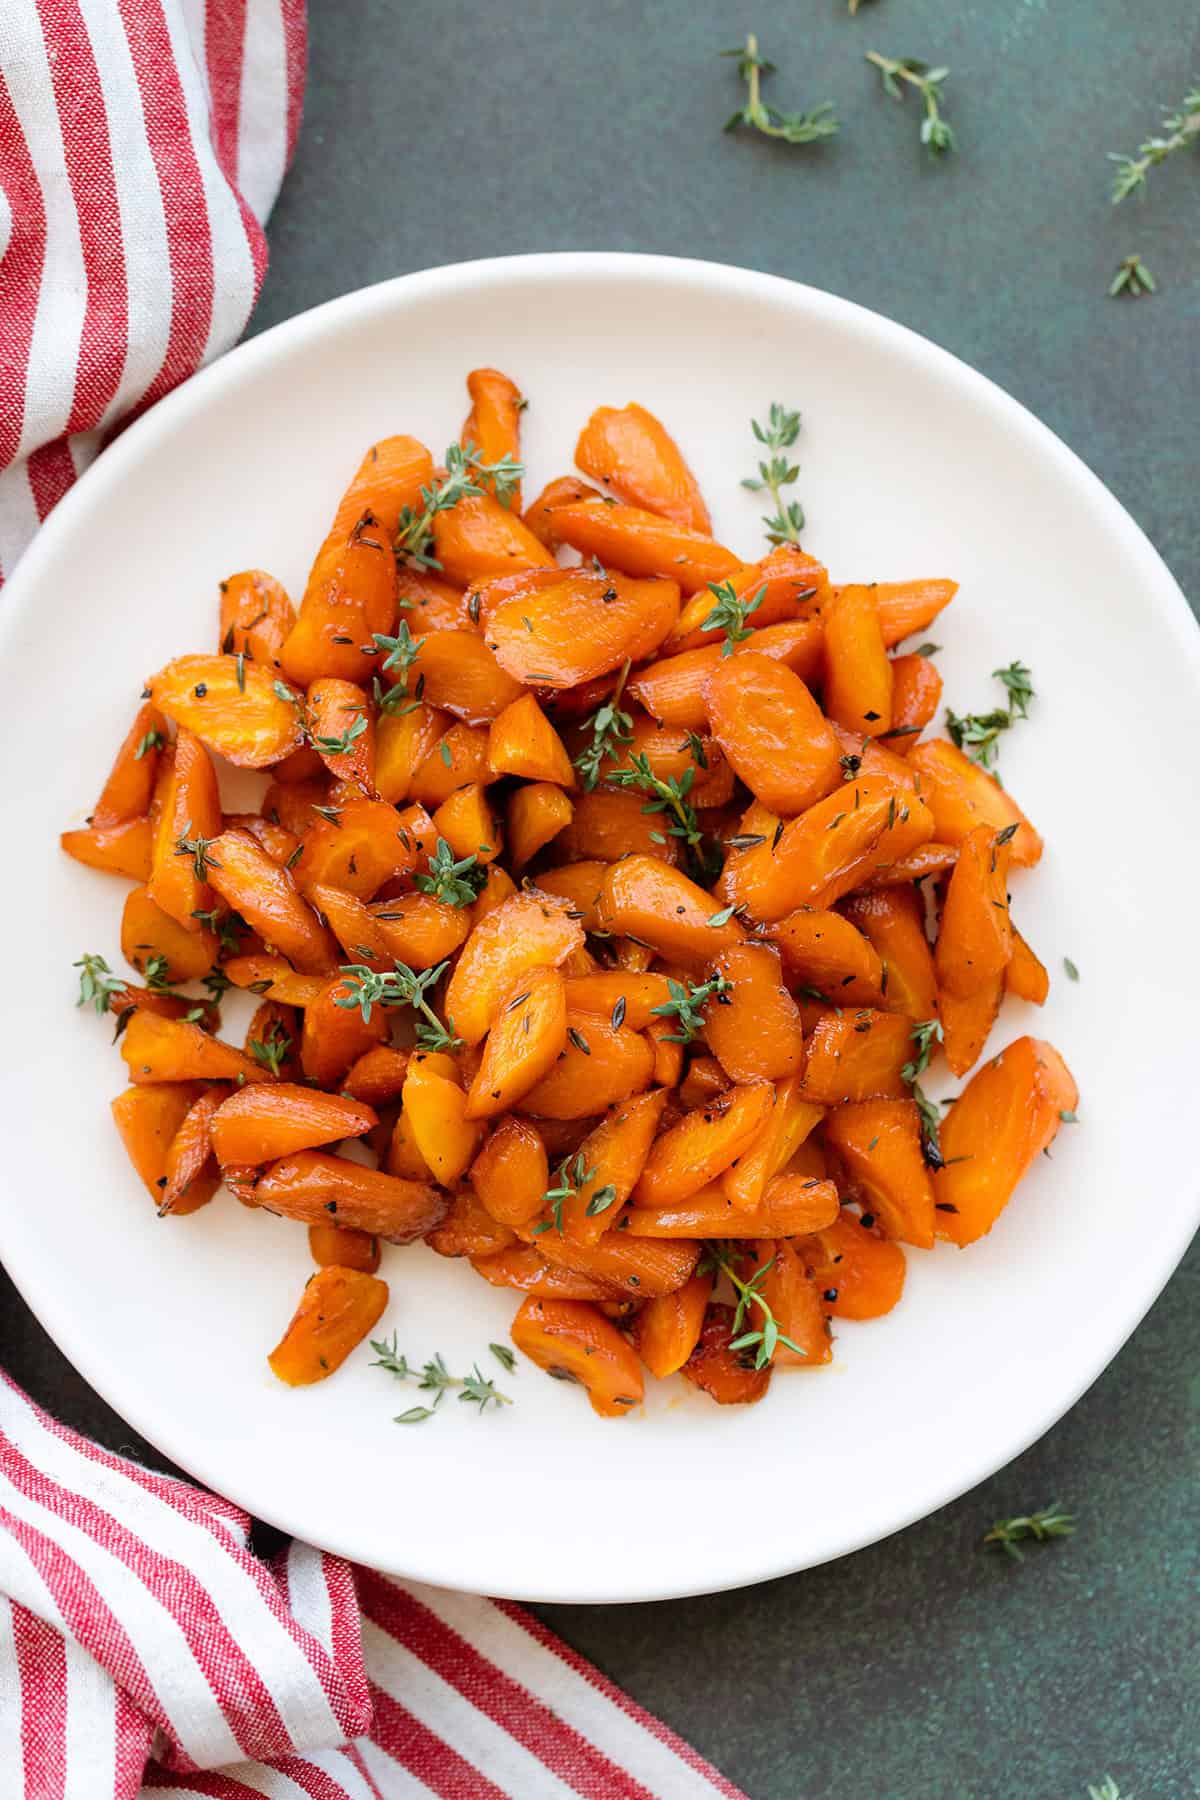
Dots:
pixel 609 906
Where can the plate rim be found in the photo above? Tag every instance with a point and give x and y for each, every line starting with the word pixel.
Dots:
pixel 1165 600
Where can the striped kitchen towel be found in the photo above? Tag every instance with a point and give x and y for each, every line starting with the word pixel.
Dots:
pixel 144 1650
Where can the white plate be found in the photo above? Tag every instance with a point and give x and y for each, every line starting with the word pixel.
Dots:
pixel 912 465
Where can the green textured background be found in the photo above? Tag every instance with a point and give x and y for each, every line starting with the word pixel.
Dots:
pixel 922 1668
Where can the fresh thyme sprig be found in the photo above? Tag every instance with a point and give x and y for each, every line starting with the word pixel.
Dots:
pixel 977 733
pixel 341 746
pixel 1132 278
pixel 730 614
pixel 667 794
pixel 400 986
pixel 466 474
pixel 402 652
pixel 157 973
pixel 197 848
pixel 153 740
pixel 1108 1790
pixel 434 1377
pixel 688 1004
pixel 1181 129
pixel 610 728
pixel 454 883
pixel 925 1035
pixel 573 1174
pixel 97 983
pixel 765 1340
pixel 778 434
pixel 792 128
pixel 936 133
pixel 271 1050
pixel 1050 1522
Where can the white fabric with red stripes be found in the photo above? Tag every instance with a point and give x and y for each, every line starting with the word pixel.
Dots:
pixel 144 1650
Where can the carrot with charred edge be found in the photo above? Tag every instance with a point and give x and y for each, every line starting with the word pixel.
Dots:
pixel 877 1144
pixel 536 814
pixel 574 1342
pixel 790 1204
pixel 255 616
pixel 149 934
pixel 333 1245
pixel 974 944
pixel 526 932
pixel 529 1033
pixel 1026 977
pixel 647 899
pixel 586 624
pixel 859 1272
pixel 793 1117
pixel 600 1066
pixel 336 1311
pixel 773 732
pixel 246 878
pixel 522 741
pixel 192 1175
pixel 564 490
pixel 1006 1115
pixel 961 795
pixel 314 1187
pixel 343 731
pixel 377 1076
pixel 259 1126
pixel 753 1028
pixel 158 1049
pixel 614 1155
pixel 232 707
pixel 829 957
pixel 857 1055
pixel 511 1173
pixel 726 1376
pixel 147 1119
pixel 668 1327
pixel 493 425
pixel 469 1229
pixel 857 688
pixel 631 453
pixel 127 792
pixel 916 696
pixel 893 922
pixel 122 849
pixel 436 1109
pixel 644 544
pixel 703 1145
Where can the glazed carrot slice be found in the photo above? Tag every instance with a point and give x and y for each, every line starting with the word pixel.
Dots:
pixel 191 814
pixel 632 454
pixel 961 795
pixel 787 584
pixel 231 706
pixel 274 978
pixel 877 1145
pixel 795 1300
pixel 245 876
pixel 562 491
pixel 1026 977
pixel 469 1229
pixel 418 930
pixel 192 1177
pixel 600 1066
pixel 638 1268
pixel 773 733
pixel 610 823
pixel 528 931
pixel 377 1076
pixel 526 1039
pixel 314 1187
pixel 584 625
pixel 673 689
pixel 668 1327
pixel 726 1376
pixel 790 1204
pixel 150 937
pixel 974 944
pixel 511 1173
pixel 753 1027
pixel 256 1125
pixel 388 479
pixel 916 696
pixel 466 822
pixel 256 616
pixel 342 730
pixel 122 849
pixel 703 1144
pixel 458 672
pixel 793 1117
pixel 431 604
pixel 625 997
pixel 893 922
pixel 578 885
pixel 644 898
pixel 857 1055
pixel 479 540
pixel 493 425
pixel 643 544
pixel 127 792
pixel 457 756
pixel 614 1155
pixel 359 844
pixel 829 957
pixel 906 607
pixel 147 1119
pixel 537 813
pixel 436 1109
pixel 332 1246
pixel 857 689
pixel 403 741
pixel 335 1032
pixel 574 1342
pixel 967 1023
pixel 336 1311
pixel 158 1049
pixel 859 1273
pixel 522 741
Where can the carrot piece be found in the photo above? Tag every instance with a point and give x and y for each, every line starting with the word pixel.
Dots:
pixel 643 544
pixel 265 895
pixel 784 585
pixel 360 844
pixel 498 887
pixel 522 741
pixel 641 1269
pixel 614 1155
pixel 231 706
pixel 829 957
pixel 859 1273
pixel 455 758
pixel 430 604
pixel 967 1022
pixel 961 795
pixel 609 823
pixel 857 1056
pixel 337 1309
pixel 302 765
pixel 462 675
pixel 584 625
pixel 790 1204
pixel 673 689
pixel 615 1064
pixel 479 539
pixel 893 921
pixel 354 925
pixel 627 998
pixel 579 885
pixel 403 742
pixel 877 1144
pixel 255 1125
pixel 293 804
pixel 524 1268
pixel 1026 977
pixel 647 899
pixel 469 1230
pixel 418 930
pixel 668 1327
pixel 388 479
pixel 336 1034
pixel 753 1028
pixel 526 1039
pixel 703 1144
pixel 975 938
pixel 773 732
pixel 511 1173
pixel 274 978
pixel 631 453
pixel 872 759
pixel 562 491
pixel 159 1049
pixel 668 1053
pixel 794 1299
pixel 537 812
pixel 170 1006
pixel 334 1246
pixel 343 730
pixel 403 1156
pixel 273 1039
pixel 705 1079
pixel 148 934
pixel 726 1376
pixel 574 1342
pixel 528 931
pixel 314 1187
pixel 906 607
pixel 918 865
pixel 493 425
pixel 127 792
pixel 349 600
pixel 256 616
pixel 122 849
pixel 436 1109
pixel 467 823
pixel 916 696
pixel 857 688
pixel 191 812
pixel 1006 1115
pixel 192 1177
pixel 147 1119
pixel 281 845
pixel 377 1076
pixel 826 851
pixel 793 1117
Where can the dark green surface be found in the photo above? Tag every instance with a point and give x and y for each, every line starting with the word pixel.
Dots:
pixel 921 1669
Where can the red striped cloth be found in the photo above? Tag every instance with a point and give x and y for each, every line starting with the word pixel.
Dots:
pixel 143 1649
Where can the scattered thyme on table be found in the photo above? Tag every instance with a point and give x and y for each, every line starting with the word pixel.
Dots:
pixel 936 133
pixel 1132 278
pixel 1038 1527
pixel 791 128
pixel 1182 128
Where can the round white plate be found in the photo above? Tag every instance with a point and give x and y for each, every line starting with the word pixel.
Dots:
pixel 911 465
